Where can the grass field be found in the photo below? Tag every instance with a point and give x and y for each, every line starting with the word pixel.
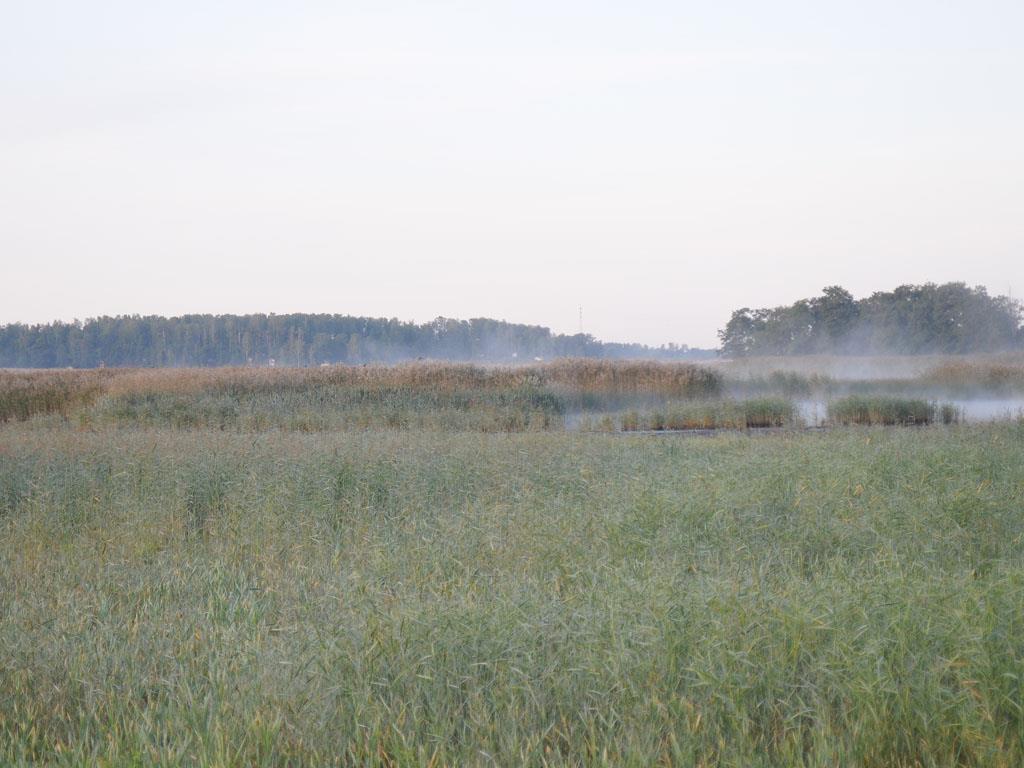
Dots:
pixel 439 592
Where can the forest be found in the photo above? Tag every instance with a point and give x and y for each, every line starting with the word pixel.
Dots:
pixel 910 320
pixel 298 340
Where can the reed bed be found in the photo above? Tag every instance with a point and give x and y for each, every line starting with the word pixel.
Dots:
pixel 782 383
pixel 421 395
pixel 420 598
pixel 890 411
pixel 24 394
pixel 321 408
pixel 756 413
pixel 573 375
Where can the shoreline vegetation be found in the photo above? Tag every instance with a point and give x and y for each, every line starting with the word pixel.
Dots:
pixel 425 596
pixel 573 393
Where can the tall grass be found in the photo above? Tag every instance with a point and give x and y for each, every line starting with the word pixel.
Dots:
pixel 698 415
pixel 334 407
pixel 423 395
pixel 782 383
pixel 382 598
pixel 24 394
pixel 882 410
pixel 572 375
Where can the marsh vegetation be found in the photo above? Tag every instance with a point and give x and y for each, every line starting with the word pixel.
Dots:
pixel 255 567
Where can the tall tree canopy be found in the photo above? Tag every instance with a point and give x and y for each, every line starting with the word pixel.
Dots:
pixel 912 319
pixel 299 339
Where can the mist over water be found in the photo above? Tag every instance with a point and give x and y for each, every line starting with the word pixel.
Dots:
pixel 856 367
pixel 1002 409
pixel 823 391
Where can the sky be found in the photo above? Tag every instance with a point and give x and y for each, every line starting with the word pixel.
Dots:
pixel 658 163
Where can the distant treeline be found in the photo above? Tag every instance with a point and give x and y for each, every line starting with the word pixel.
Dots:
pixel 297 339
pixel 913 319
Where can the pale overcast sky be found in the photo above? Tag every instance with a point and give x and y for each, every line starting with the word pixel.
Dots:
pixel 660 163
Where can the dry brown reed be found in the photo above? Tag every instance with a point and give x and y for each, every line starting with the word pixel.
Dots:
pixel 575 375
pixel 24 394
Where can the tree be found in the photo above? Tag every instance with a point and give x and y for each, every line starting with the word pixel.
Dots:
pixel 740 334
pixel 911 319
pixel 197 340
pixel 835 314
